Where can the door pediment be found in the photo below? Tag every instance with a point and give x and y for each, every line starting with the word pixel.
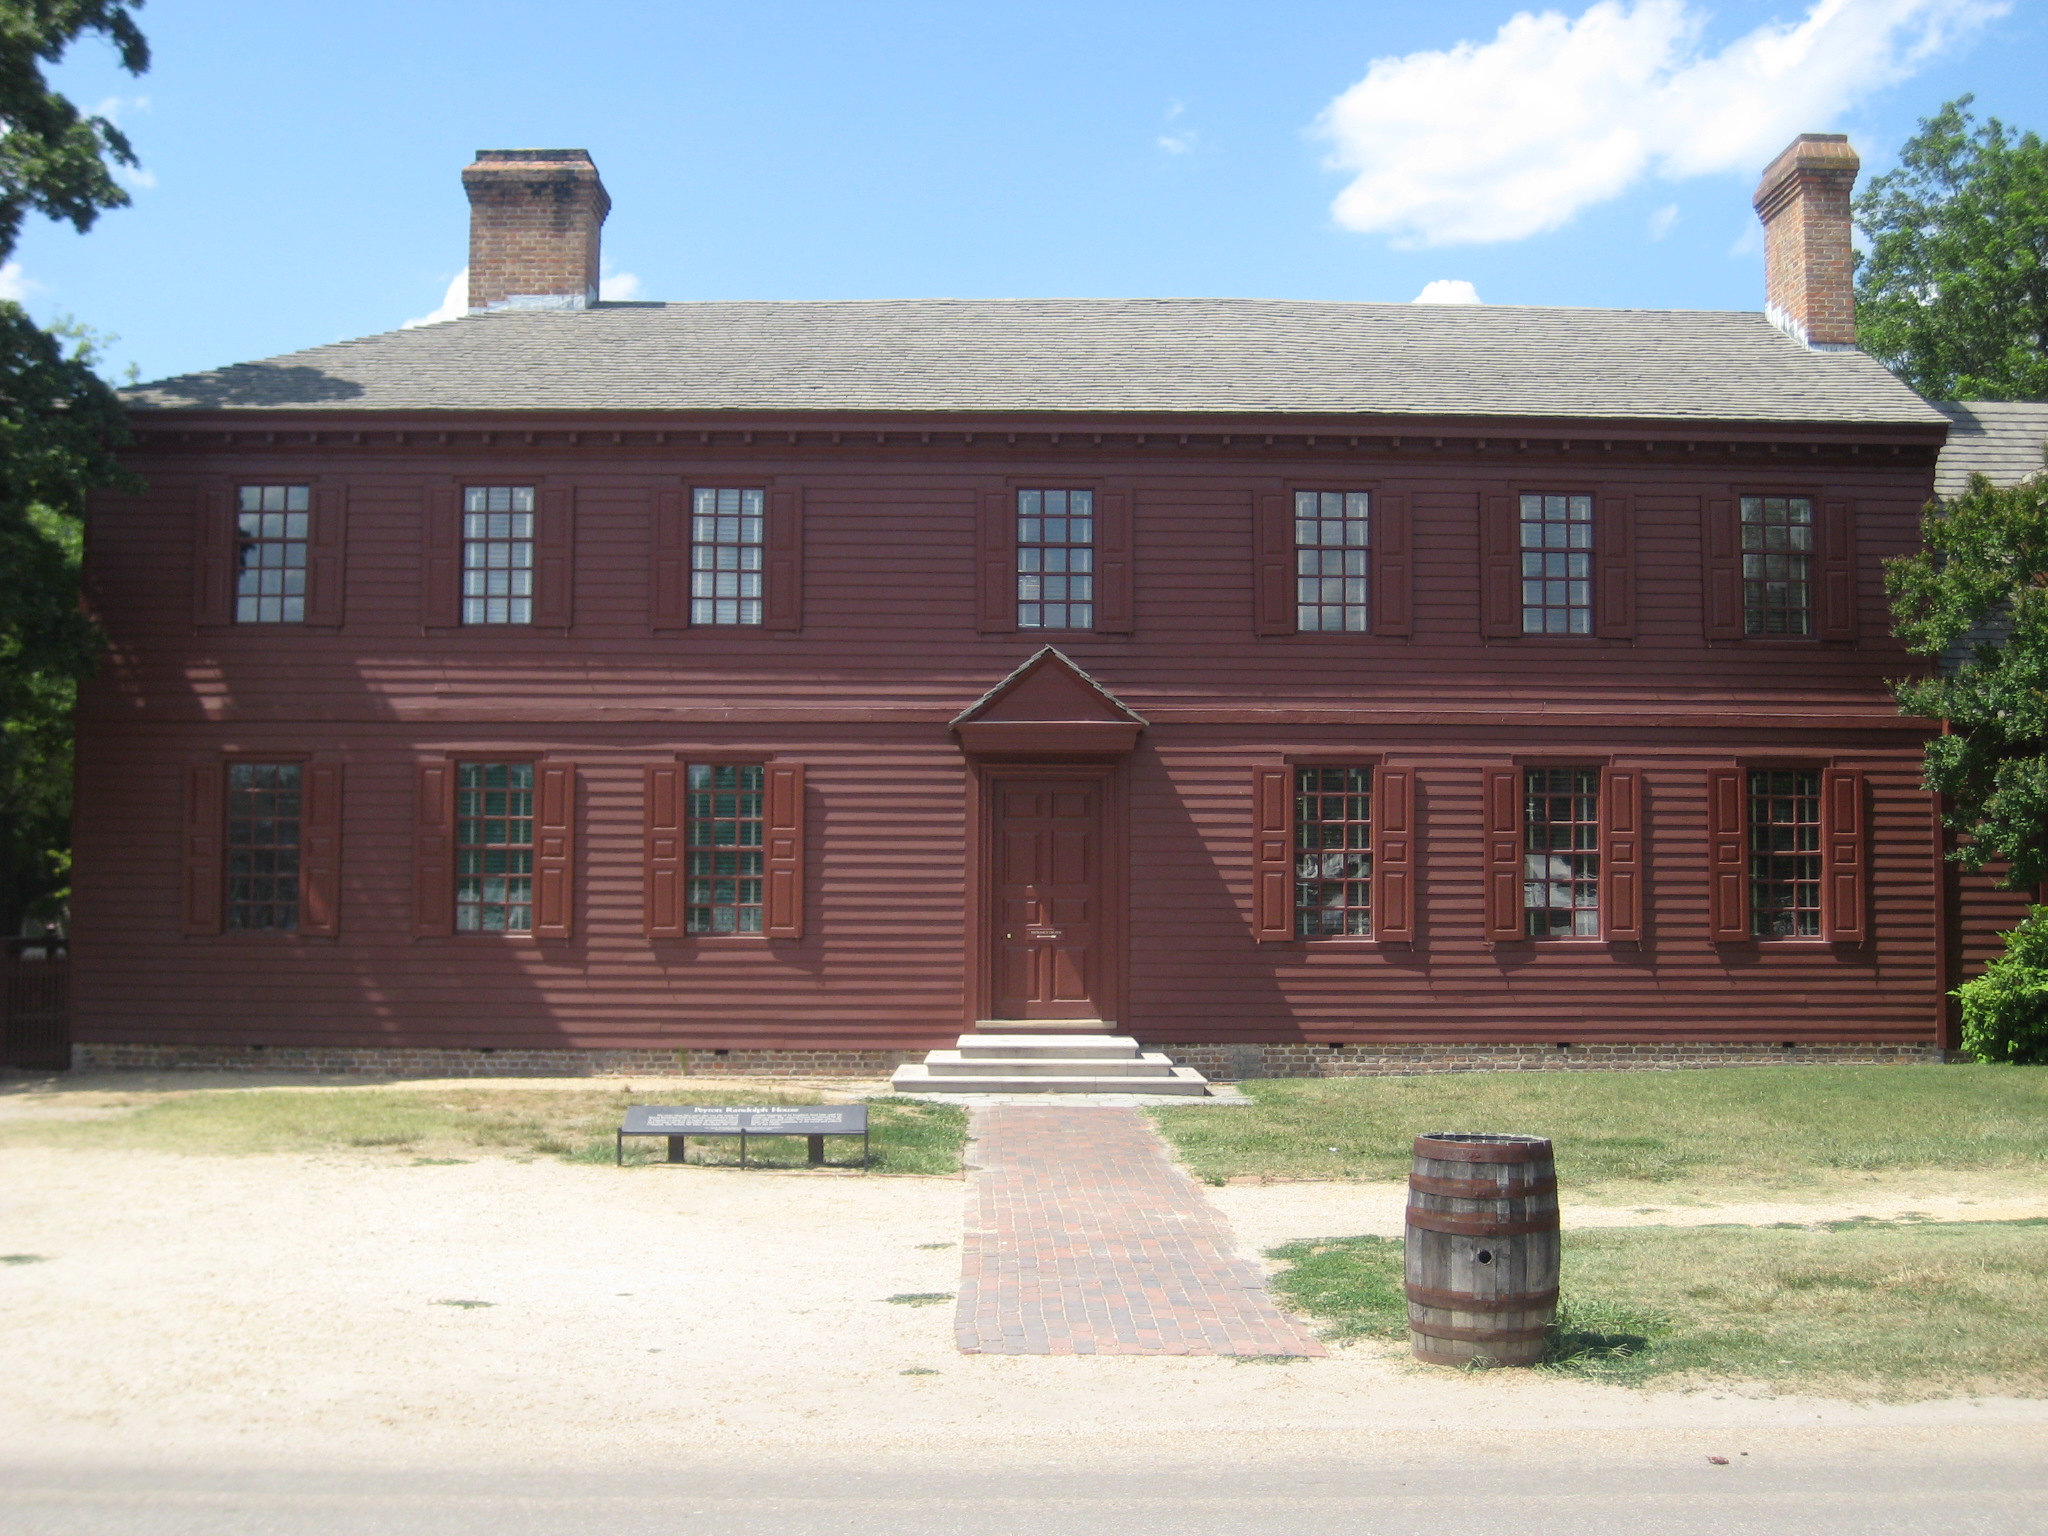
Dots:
pixel 1048 705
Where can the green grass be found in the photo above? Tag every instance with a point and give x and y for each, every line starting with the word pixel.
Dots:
pixel 577 1125
pixel 1885 1309
pixel 1759 1127
pixel 919 1298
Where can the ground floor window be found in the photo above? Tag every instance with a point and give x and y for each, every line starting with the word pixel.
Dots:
pixel 723 843
pixel 1784 853
pixel 262 847
pixel 494 848
pixel 1333 852
pixel 1561 853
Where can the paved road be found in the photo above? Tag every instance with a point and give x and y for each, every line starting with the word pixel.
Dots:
pixel 1660 1494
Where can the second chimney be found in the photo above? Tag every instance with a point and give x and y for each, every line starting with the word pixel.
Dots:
pixel 1809 264
pixel 534 218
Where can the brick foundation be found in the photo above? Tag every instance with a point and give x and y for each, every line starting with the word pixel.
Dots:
pixel 1235 1063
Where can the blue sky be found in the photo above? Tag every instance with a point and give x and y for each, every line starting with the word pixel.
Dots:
pixel 302 161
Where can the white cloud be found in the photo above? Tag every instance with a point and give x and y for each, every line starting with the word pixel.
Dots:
pixel 13 285
pixel 135 176
pixel 1448 290
pixel 1506 139
pixel 1663 221
pixel 619 287
pixel 1177 140
pixel 454 304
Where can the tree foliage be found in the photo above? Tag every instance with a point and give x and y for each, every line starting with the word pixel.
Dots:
pixel 60 425
pixel 2005 1011
pixel 1953 295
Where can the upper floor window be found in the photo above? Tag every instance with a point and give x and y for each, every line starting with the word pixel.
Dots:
pixel 262 847
pixel 1055 559
pixel 497 554
pixel 1777 565
pixel 1333 851
pixel 1561 852
pixel 1557 565
pixel 494 848
pixel 722 838
pixel 1332 532
pixel 270 554
pixel 726 537
pixel 1784 853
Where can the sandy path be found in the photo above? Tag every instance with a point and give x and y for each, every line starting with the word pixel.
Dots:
pixel 287 1306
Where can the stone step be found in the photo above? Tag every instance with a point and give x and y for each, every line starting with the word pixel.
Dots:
pixel 1184 1082
pixel 1046 1026
pixel 1062 1047
pixel 960 1064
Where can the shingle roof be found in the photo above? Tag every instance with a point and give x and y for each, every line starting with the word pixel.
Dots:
pixel 1083 356
pixel 1999 438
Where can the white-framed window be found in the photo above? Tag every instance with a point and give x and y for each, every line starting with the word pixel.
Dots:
pixel 497 554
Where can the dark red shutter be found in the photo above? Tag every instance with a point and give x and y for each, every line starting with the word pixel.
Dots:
pixel 213 566
pixel 1113 575
pixel 433 851
pixel 1721 542
pixel 1273 557
pixel 664 852
pixel 1727 856
pixel 205 802
pixel 782 915
pixel 1614 564
pixel 1393 567
pixel 320 851
pixel 783 608
pixel 1845 878
pixel 996 591
pixel 1621 854
pixel 326 558
pixel 1500 569
pixel 1836 596
pixel 1393 855
pixel 441 566
pixel 1272 854
pixel 1502 853
pixel 669 596
pixel 554 559
pixel 554 851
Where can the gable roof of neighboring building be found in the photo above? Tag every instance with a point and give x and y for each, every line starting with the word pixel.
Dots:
pixel 2004 439
pixel 1079 356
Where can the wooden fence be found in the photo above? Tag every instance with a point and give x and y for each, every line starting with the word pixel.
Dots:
pixel 35 1004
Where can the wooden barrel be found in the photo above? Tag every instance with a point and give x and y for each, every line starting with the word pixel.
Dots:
pixel 1481 1248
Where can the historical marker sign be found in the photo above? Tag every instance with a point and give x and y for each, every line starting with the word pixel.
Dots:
pixel 765 1119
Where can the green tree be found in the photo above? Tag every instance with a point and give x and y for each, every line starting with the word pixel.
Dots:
pixel 1984 573
pixel 1953 295
pixel 59 427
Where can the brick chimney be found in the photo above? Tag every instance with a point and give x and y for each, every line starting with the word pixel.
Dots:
pixel 1809 274
pixel 534 217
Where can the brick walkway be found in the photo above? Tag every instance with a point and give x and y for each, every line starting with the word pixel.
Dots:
pixel 1084 1239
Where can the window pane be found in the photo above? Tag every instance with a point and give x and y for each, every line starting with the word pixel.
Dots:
pixel 1784 853
pixel 1332 851
pixel 262 845
pixel 1557 544
pixel 271 528
pixel 1561 852
pixel 1332 530
pixel 497 554
pixel 1055 544
pixel 727 527
pixel 494 848
pixel 723 813
pixel 1777 559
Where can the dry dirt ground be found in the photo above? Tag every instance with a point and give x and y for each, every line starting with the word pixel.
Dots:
pixel 350 1306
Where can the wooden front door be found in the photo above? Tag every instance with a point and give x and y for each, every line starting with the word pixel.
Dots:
pixel 1051 957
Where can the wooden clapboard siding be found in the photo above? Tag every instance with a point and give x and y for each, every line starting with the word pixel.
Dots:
pixel 888 643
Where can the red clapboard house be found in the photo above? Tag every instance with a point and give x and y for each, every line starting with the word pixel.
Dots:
pixel 1300 687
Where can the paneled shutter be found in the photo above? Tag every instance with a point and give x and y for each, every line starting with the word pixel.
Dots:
pixel 1845 857
pixel 1622 889
pixel 782 915
pixel 205 803
pixel 433 851
pixel 554 851
pixel 669 561
pixel 1727 856
pixel 320 831
pixel 1113 573
pixel 1614 565
pixel 1721 544
pixel 1836 597
pixel 554 559
pixel 784 607
pixel 1500 569
pixel 1393 567
pixel 1393 855
pixel 1273 557
pixel 1502 854
pixel 996 591
pixel 664 852
pixel 1272 854
pixel 326 559
pixel 441 566
pixel 213 559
